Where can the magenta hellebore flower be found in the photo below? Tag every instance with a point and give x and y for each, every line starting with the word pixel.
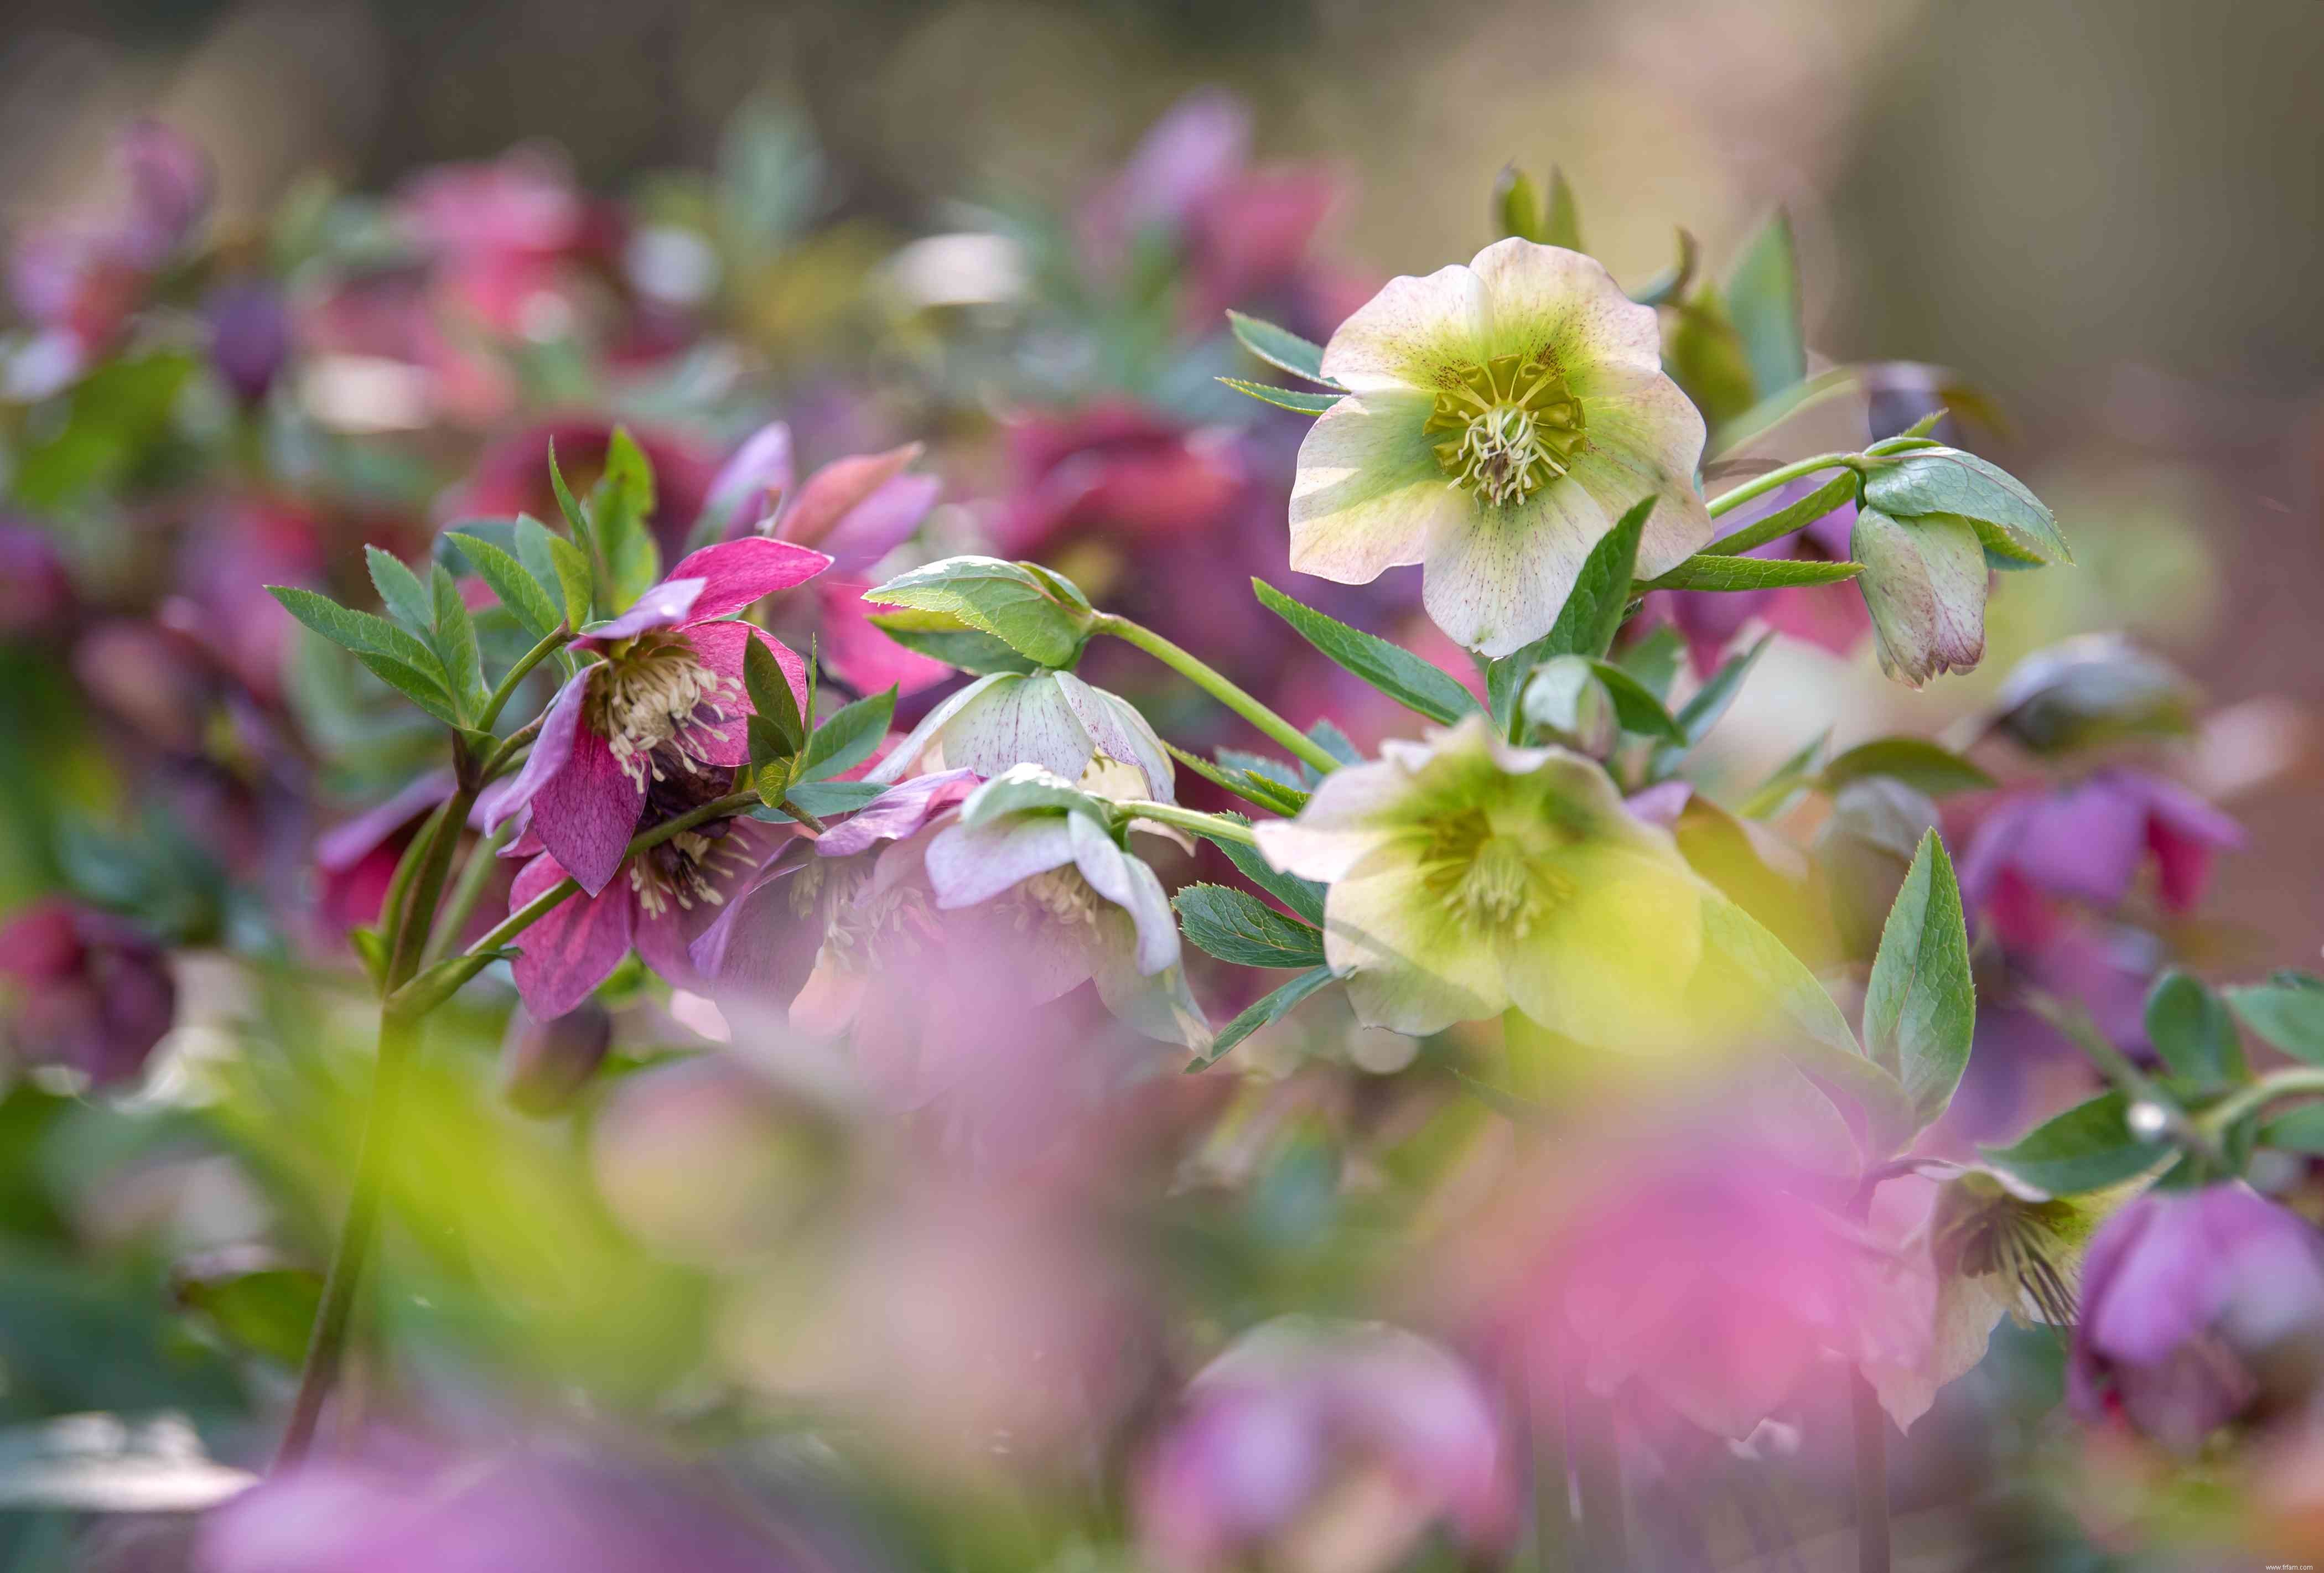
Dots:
pixel 2199 1308
pixel 666 702
pixel 2088 840
pixel 82 988
pixel 1268 1435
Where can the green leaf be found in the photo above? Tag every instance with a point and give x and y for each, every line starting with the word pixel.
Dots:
pixel 1261 791
pixel 575 520
pixel 518 590
pixel 1285 398
pixel 620 511
pixel 771 699
pixel 267 1311
pixel 1916 761
pixel 1784 784
pixel 1920 1008
pixel 1701 712
pixel 1587 622
pixel 2190 1029
pixel 423 688
pixel 561 569
pixel 1520 211
pixel 1655 660
pixel 455 642
pixel 849 738
pixel 2010 521
pixel 1562 221
pixel 359 632
pixel 1414 684
pixel 407 600
pixel 2288 1015
pixel 1265 1013
pixel 1280 347
pixel 2299 1131
pixel 824 799
pixel 2086 1148
pixel 1005 600
pixel 1712 571
pixel 1667 285
pixel 1763 301
pixel 1028 788
pixel 945 637
pixel 1240 928
pixel 1637 706
pixel 1304 896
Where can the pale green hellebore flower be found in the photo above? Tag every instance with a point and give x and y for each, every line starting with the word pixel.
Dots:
pixel 1468 875
pixel 1094 740
pixel 1500 417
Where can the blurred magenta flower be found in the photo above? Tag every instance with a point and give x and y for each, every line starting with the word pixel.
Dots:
pixel 1137 474
pixel 1358 1437
pixel 1500 417
pixel 250 335
pixel 1831 618
pixel 36 593
pixel 509 478
pixel 664 703
pixel 2199 1308
pixel 2087 840
pixel 505 237
pixel 82 990
pixel 357 858
pixel 1094 740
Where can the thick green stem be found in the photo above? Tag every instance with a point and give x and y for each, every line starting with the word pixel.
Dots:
pixel 1216 826
pixel 550 643
pixel 399 1037
pixel 2285 1083
pixel 409 939
pixel 509 748
pixel 1760 486
pixel 1873 1552
pixel 1217 685
pixel 467 889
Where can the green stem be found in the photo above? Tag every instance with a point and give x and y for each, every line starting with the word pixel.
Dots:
pixel 1216 684
pixel 399 1036
pixel 2073 1019
pixel 467 889
pixel 2285 1083
pixel 406 867
pixel 509 747
pixel 1216 826
pixel 1784 520
pixel 1872 1550
pixel 555 640
pixel 1760 486
pixel 409 940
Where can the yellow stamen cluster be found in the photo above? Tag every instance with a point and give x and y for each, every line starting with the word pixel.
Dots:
pixel 682 872
pixel 1060 894
pixel 1491 879
pixel 1507 429
pixel 652 688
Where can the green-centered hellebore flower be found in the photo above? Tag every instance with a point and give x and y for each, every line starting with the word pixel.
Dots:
pixel 1499 418
pixel 1092 738
pixel 1468 874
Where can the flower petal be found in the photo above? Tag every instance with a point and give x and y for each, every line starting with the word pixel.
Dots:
pixel 586 813
pixel 1119 733
pixel 1411 966
pixel 1497 579
pixel 718 736
pixel 665 606
pixel 1160 1004
pixel 907 754
pixel 1409 333
pixel 898 813
pixel 1341 824
pixel 1370 494
pixel 1547 300
pixel 552 748
pixel 1924 582
pixel 969 863
pixel 737 573
pixel 1645 436
pixel 1026 722
pixel 1129 885
pixel 879 524
pixel 572 949
pixel 835 489
pixel 1610 963
pixel 759 469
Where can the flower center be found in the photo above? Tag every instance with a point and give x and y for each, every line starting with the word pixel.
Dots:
pixel 1062 893
pixel 2026 1243
pixel 1491 878
pixel 683 872
pixel 1507 429
pixel 650 695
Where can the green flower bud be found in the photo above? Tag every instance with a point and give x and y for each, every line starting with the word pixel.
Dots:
pixel 1566 703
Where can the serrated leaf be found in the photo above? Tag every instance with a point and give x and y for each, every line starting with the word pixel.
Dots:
pixel 407 600
pixel 455 642
pixel 1267 1012
pixel 575 520
pixel 1239 928
pixel 1280 347
pixel 422 688
pixel 1263 792
pixel 1002 599
pixel 1285 398
pixel 518 590
pixel 1412 682
pixel 1916 761
pixel 2290 1015
pixel 2010 521
pixel 1920 1008
pixel 359 632
pixel 2192 1030
pixel 1763 301
pixel 1587 622
pixel 1833 493
pixel 2088 1146
pixel 621 512
pixel 1713 572
pixel 561 569
pixel 1635 707
pixel 1303 897
pixel 771 699
pixel 849 737
pixel 1701 711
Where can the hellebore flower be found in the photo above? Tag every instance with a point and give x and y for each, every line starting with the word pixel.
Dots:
pixel 36 593
pixel 250 335
pixel 2087 841
pixel 84 990
pixel 1304 1432
pixel 1500 417
pixel 1923 582
pixel 667 700
pixel 1468 874
pixel 1094 740
pixel 2093 689
pixel 2199 1308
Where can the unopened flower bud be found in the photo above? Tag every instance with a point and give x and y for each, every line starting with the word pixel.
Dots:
pixel 544 1064
pixel 2096 689
pixel 249 336
pixel 1923 582
pixel 1567 704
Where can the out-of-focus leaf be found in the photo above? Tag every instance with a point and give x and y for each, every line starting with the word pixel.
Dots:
pixel 1763 301
pixel 2288 1012
pixel 1916 761
pixel 1266 1013
pixel 2088 1146
pixel 2299 1131
pixel 1280 347
pixel 268 1310
pixel 1637 706
pixel 113 420
pixel 1412 682
pixel 2190 1029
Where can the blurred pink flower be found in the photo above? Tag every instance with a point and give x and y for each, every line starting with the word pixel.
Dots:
pixel 506 236
pixel 2087 840
pixel 82 988
pixel 36 594
pixel 1831 616
pixel 509 478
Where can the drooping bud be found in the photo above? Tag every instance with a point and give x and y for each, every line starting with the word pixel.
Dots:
pixel 544 1064
pixel 1923 582
pixel 1567 704
pixel 2098 689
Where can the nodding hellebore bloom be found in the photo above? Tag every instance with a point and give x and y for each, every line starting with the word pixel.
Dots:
pixel 1094 740
pixel 664 706
pixel 1468 874
pixel 1500 417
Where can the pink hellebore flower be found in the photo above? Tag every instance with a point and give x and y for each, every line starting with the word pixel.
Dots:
pixel 666 702
pixel 82 988
pixel 2087 841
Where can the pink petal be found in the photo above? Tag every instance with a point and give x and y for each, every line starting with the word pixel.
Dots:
pixel 760 469
pixel 859 653
pixel 719 646
pixel 343 846
pixel 879 523
pixel 900 812
pixel 585 814
pixel 831 492
pixel 666 605
pixel 552 748
pixel 735 574
pixel 567 953
pixel 664 945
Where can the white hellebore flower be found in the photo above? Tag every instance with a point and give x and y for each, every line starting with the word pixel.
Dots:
pixel 1094 740
pixel 1501 418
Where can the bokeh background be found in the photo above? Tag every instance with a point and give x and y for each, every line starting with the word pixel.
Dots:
pixel 2108 216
